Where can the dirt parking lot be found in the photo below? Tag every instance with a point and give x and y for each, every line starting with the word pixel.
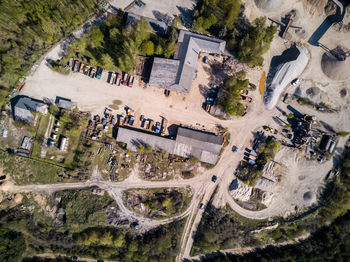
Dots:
pixel 164 10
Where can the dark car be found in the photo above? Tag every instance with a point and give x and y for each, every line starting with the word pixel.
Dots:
pixel 205 60
pixel 202 206
pixel 214 178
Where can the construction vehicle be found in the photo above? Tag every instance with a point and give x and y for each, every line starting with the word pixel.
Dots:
pixel 121 120
pixel 247 98
pixel 131 120
pixel 119 78
pixel 131 81
pixel 86 70
pixel 81 69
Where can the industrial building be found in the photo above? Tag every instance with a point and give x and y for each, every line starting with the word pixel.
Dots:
pixel 23 106
pixel 188 143
pixel 177 74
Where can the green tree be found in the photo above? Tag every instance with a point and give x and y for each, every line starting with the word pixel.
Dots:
pixel 177 24
pixel 12 245
pixel 149 149
pixel 141 31
pixel 96 37
pixel 256 42
pixel 170 50
pixel 147 48
pixel 107 62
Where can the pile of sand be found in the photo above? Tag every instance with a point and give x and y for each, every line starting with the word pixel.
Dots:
pixel 268 5
pixel 334 68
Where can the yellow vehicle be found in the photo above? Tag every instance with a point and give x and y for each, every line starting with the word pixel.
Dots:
pixel 82 66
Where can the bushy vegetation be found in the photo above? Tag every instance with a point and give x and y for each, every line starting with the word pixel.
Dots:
pixel 115 45
pixel 83 207
pixel 266 152
pixel 256 42
pixel 338 200
pixel 330 243
pixel 26 171
pixel 90 238
pixel 161 202
pixel 216 14
pixel 230 101
pixel 12 243
pixel 223 229
pixel 29 28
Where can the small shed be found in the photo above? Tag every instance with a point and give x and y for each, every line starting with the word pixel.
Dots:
pixel 65 104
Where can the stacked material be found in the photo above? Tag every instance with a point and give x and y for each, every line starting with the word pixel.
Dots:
pixel 268 5
pixel 334 67
pixel 290 66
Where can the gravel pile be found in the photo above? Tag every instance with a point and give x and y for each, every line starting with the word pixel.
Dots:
pixel 334 68
pixel 268 5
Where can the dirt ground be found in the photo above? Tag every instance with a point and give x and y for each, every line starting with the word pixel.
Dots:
pixel 161 10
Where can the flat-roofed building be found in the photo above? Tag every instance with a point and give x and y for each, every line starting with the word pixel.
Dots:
pixel 188 143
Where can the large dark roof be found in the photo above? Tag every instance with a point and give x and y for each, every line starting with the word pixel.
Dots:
pixel 22 106
pixel 188 143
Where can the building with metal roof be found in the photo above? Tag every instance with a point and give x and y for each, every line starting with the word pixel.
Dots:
pixel 189 47
pixel 65 104
pixel 188 143
pixel 23 106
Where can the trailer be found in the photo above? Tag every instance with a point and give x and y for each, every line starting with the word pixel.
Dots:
pixel 113 77
pixel 119 78
pixel 131 81
pixel 125 79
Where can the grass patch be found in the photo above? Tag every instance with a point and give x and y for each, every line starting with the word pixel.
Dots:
pixel 25 171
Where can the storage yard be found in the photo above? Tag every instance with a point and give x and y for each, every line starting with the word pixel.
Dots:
pixel 273 161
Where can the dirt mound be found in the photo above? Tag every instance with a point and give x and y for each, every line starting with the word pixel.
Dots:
pixel 334 68
pixel 268 5
pixel 309 197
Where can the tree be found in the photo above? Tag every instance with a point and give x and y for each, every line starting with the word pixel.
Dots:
pixel 141 31
pixel 12 245
pixel 107 62
pixel 256 42
pixel 147 48
pixel 158 50
pixel 177 24
pixel 149 149
pixel 96 37
pixel 170 50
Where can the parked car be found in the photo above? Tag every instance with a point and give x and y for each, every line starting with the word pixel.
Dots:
pixel 119 78
pixel 131 81
pixel 92 72
pixel 295 82
pixel 202 206
pixel 234 149
pixel 205 60
pixel 142 117
pixel 214 178
pixel 81 69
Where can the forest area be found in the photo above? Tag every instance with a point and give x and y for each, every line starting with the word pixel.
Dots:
pixel 226 20
pixel 115 45
pixel 79 227
pixel 30 28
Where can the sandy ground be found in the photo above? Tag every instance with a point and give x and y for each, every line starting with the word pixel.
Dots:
pixel 160 10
